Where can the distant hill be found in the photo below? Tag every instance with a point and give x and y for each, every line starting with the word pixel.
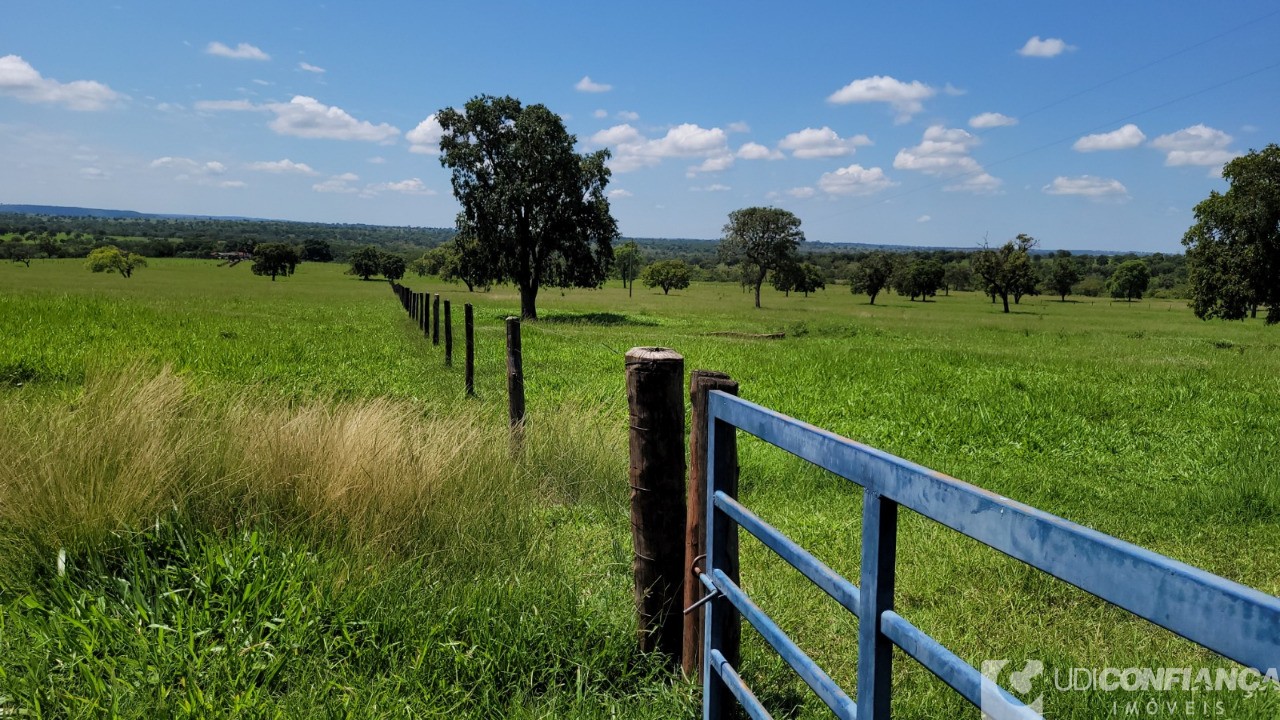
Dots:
pixel 65 211
pixel 675 244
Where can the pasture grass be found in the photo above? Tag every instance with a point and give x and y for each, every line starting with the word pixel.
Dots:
pixel 1131 418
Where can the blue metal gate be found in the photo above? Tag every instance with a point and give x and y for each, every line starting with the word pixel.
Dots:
pixel 1233 620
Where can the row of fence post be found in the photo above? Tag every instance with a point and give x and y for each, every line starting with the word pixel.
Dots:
pixel 668 521
pixel 425 311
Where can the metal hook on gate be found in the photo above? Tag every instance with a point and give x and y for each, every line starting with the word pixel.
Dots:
pixel 706 598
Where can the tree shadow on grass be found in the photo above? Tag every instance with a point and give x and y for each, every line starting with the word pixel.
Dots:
pixel 594 318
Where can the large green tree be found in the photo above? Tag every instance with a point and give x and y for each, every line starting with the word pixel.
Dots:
pixel 871 275
pixel 666 274
pixel 760 239
pixel 534 210
pixel 1233 250
pixel 110 258
pixel 1007 270
pixel 365 262
pixel 1129 280
pixel 1063 275
pixel 922 279
pixel 275 259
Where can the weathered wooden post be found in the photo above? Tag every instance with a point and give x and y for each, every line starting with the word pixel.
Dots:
pixel 701 382
pixel 413 306
pixel 515 376
pixel 448 335
pixel 435 317
pixel 469 330
pixel 655 394
pixel 424 322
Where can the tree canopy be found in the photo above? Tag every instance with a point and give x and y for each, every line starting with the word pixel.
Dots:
pixel 110 258
pixel 534 212
pixel 872 275
pixel 760 239
pixel 1007 270
pixel 366 262
pixel 1233 249
pixel 667 274
pixel 275 259
pixel 1063 275
pixel 1130 280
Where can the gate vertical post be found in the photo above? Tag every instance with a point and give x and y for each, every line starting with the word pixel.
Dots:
pixel 875 651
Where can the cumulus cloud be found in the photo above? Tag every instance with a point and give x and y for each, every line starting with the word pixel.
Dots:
pixel 854 180
pixel 756 151
pixel 802 192
pixel 620 193
pixel 905 98
pixel 189 166
pixel 1126 137
pixel 1088 186
pixel 1047 48
pixel 739 127
pixel 944 152
pixel 412 186
pixel 425 138
pixel 632 150
pixel 991 120
pixel 243 51
pixel 311 68
pixel 338 184
pixel 282 166
pixel 628 115
pixel 1196 145
pixel 307 117
pixel 20 80
pixel 716 163
pixel 587 85
pixel 821 143
pixel 715 187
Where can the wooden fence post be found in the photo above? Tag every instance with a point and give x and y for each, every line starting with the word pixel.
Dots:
pixel 515 376
pixel 424 322
pixel 413 306
pixel 655 394
pixel 448 335
pixel 469 330
pixel 701 382
pixel 435 317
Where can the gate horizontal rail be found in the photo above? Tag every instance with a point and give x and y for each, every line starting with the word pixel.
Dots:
pixel 1236 621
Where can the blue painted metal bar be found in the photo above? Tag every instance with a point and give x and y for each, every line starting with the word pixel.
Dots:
pixel 821 683
pixel 721 627
pixel 840 589
pixel 879 557
pixel 1186 600
pixel 983 692
pixel 734 682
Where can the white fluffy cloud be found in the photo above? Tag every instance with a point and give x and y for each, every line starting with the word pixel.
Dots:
pixel 1126 137
pixel 189 166
pixel 620 193
pixel 854 180
pixel 905 98
pixel 587 85
pixel 756 151
pixel 802 192
pixel 1047 48
pixel 632 150
pixel 715 163
pixel 412 186
pixel 307 117
pixel 20 80
pixel 944 152
pixel 311 68
pixel 425 138
pixel 991 120
pixel 243 51
pixel 1196 145
pixel 282 166
pixel 1088 186
pixel 338 184
pixel 821 143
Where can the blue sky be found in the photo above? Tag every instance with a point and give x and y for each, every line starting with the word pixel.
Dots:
pixel 1088 125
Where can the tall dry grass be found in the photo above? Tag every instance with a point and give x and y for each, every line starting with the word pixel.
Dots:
pixel 372 475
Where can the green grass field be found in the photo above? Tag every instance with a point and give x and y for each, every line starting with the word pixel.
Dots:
pixel 503 589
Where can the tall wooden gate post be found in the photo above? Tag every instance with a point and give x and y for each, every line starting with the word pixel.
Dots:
pixel 469 330
pixel 515 376
pixel 448 335
pixel 655 394
pixel 701 382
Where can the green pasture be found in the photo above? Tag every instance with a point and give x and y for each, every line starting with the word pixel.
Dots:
pixel 1132 418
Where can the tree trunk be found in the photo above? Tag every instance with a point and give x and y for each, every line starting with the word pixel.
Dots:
pixel 758 293
pixel 873 298
pixel 1005 297
pixel 528 303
